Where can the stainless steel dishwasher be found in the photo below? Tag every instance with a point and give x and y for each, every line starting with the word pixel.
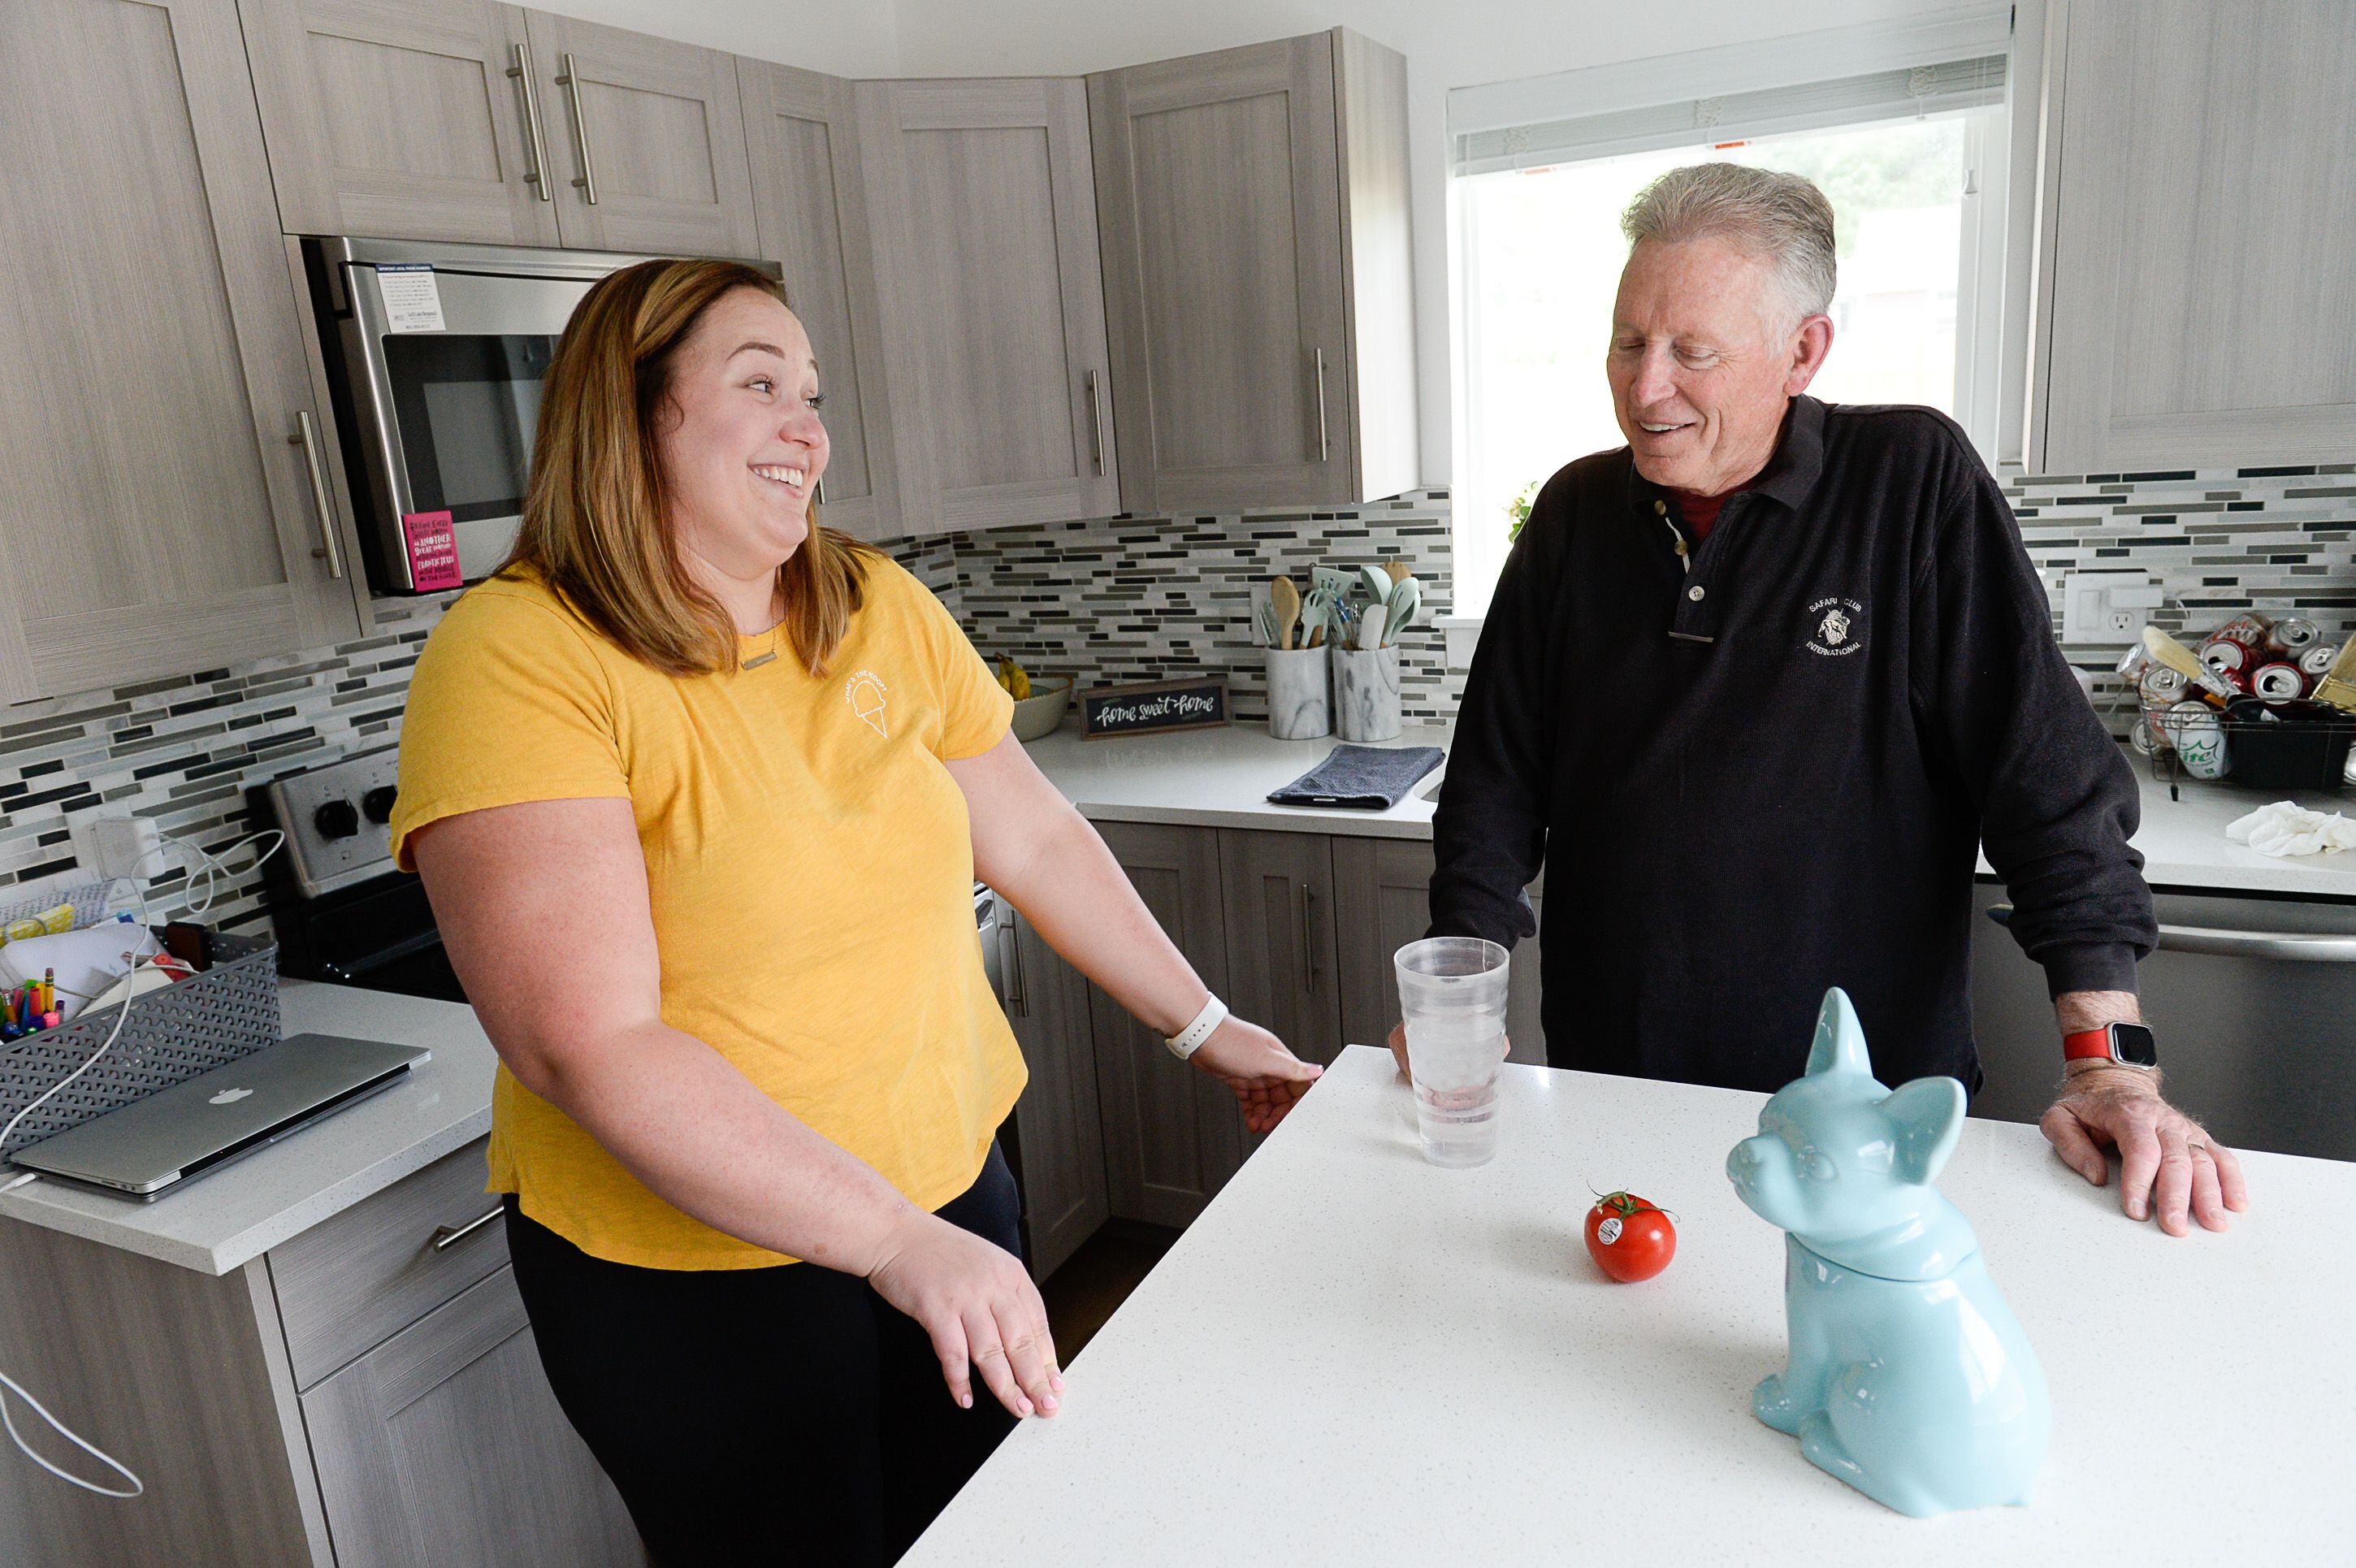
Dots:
pixel 2252 997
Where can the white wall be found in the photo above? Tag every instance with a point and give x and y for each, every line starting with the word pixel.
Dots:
pixel 1460 43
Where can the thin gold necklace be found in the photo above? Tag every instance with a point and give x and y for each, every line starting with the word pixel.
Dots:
pixel 770 657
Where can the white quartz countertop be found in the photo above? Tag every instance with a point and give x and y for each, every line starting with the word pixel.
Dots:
pixel 1355 1359
pixel 1221 778
pixel 219 1221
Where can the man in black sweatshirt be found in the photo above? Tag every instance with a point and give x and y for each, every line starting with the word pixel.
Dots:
pixel 1757 686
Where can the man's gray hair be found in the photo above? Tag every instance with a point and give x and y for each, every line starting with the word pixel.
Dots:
pixel 1780 217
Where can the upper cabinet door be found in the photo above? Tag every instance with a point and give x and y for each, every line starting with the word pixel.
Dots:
pixel 1253 210
pixel 157 511
pixel 420 120
pixel 993 308
pixel 812 210
pixel 2200 225
pixel 646 138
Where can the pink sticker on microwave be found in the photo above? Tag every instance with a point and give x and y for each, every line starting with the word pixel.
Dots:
pixel 433 549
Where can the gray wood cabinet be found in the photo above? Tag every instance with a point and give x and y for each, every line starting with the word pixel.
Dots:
pixel 1254 210
pixel 1383 895
pixel 993 307
pixel 1282 970
pixel 1059 1118
pixel 156 510
pixel 647 137
pixel 2196 219
pixel 367 1392
pixel 1173 1134
pixel 424 120
pixel 443 1444
pixel 811 208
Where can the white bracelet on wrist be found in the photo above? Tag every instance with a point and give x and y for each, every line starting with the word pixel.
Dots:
pixel 1187 1041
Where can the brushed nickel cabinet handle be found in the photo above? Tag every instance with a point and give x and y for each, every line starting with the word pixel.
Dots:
pixel 821 490
pixel 1324 445
pixel 535 177
pixel 1308 942
pixel 585 181
pixel 1096 421
pixel 306 436
pixel 1022 997
pixel 448 1236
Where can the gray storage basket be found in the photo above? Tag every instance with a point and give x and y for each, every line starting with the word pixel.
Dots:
pixel 206 1021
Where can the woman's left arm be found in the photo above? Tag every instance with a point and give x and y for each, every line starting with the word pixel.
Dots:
pixel 1041 855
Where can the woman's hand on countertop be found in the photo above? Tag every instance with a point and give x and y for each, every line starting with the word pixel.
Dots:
pixel 1269 1079
pixel 978 1304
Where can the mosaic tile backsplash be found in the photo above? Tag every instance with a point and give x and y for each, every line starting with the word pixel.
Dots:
pixel 1125 599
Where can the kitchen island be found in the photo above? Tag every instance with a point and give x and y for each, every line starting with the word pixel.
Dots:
pixel 1356 1359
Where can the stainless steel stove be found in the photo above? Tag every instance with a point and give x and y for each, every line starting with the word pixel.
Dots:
pixel 342 911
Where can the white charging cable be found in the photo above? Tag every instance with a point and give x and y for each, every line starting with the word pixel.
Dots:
pixel 211 868
pixel 12 1386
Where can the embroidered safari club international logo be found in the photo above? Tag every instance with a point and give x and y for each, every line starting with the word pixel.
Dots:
pixel 1835 628
pixel 866 694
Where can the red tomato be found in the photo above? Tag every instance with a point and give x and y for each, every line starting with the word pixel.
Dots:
pixel 1629 1238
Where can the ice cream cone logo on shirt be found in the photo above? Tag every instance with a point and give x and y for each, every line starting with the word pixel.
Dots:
pixel 865 691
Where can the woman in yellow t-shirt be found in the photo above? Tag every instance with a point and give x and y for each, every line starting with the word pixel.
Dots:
pixel 699 792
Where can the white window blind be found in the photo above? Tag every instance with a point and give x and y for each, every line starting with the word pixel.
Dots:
pixel 1874 95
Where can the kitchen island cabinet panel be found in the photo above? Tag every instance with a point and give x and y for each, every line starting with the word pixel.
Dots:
pixel 2198 208
pixel 1282 972
pixel 1383 895
pixel 444 1445
pixel 1059 1118
pixel 158 509
pixel 1172 1133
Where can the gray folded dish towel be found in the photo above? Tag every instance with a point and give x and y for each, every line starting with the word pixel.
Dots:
pixel 1372 778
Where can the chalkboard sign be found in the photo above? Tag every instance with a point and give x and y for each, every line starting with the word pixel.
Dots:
pixel 1154 709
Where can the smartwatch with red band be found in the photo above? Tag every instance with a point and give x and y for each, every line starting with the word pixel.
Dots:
pixel 2128 1044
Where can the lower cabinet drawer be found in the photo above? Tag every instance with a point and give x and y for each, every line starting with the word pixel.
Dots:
pixel 351 1282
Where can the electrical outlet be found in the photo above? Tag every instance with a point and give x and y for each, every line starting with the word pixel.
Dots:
pixel 2106 607
pixel 119 845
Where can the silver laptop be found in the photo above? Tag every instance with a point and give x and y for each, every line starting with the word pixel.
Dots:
pixel 153 1144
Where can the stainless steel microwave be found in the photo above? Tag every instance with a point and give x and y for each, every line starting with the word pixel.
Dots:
pixel 435 354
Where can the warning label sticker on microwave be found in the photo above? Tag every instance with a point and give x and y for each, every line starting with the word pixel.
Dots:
pixel 433 550
pixel 413 299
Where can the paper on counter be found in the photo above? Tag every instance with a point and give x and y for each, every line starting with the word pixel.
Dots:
pixel 2286 828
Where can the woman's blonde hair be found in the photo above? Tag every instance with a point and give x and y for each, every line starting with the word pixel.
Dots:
pixel 594 524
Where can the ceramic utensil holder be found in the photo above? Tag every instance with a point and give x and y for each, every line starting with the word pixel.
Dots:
pixel 1298 707
pixel 1366 692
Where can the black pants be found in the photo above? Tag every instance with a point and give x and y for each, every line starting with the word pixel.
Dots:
pixel 777 1415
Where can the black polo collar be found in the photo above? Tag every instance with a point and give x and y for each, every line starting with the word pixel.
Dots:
pixel 1789 475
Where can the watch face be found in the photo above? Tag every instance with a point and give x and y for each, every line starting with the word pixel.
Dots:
pixel 2135 1043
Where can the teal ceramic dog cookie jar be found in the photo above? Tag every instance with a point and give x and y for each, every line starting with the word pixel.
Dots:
pixel 1908 1377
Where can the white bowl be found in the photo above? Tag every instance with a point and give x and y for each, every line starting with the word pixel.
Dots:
pixel 1039 713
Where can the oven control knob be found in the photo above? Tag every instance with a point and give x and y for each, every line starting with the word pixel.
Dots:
pixel 337 819
pixel 378 803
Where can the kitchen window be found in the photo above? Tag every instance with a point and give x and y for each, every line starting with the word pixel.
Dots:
pixel 1905 127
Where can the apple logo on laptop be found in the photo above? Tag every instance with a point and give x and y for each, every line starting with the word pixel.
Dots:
pixel 230 1096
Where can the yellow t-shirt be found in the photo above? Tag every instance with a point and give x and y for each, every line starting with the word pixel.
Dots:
pixel 811 868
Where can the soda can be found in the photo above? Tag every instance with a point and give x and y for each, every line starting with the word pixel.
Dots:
pixel 2316 663
pixel 2277 682
pixel 2162 687
pixel 2249 629
pixel 2293 636
pixel 2230 660
pixel 2199 739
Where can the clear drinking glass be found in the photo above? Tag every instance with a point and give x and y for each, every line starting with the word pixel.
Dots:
pixel 1452 992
